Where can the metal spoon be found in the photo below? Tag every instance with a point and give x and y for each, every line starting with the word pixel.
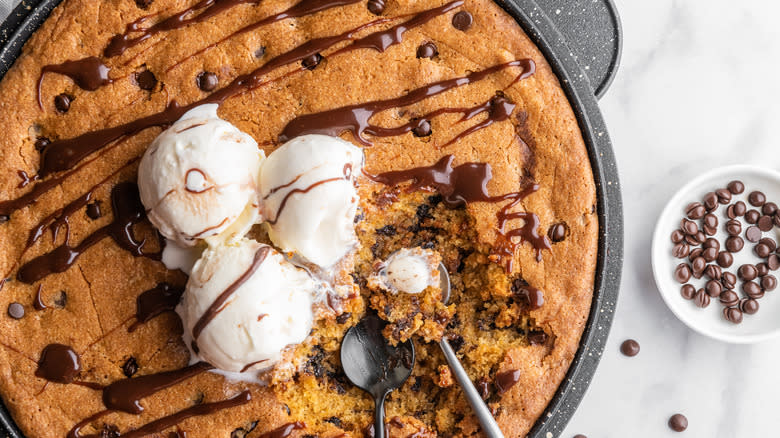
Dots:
pixel 486 420
pixel 375 366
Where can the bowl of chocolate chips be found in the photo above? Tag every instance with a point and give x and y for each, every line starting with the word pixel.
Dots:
pixel 715 254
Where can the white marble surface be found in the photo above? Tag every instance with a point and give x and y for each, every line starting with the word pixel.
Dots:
pixel 697 88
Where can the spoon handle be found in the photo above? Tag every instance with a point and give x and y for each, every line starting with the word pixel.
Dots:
pixel 486 420
pixel 379 417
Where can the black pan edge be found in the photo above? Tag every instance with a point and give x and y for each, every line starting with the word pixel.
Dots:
pixel 30 14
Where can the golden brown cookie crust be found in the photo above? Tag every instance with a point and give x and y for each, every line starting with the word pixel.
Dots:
pixel 103 285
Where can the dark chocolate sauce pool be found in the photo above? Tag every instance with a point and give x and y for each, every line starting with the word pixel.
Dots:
pixel 153 302
pixel 58 363
pixel 88 74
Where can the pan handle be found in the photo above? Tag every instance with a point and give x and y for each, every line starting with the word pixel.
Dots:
pixel 593 32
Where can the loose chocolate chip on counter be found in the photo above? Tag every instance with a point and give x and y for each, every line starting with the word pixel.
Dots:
pixel 768 283
pixel 753 234
pixel 725 259
pixel 682 273
pixel 748 306
pixel 724 196
pixel 752 289
pixel 765 223
pixel 62 102
pixel 423 128
pixel 462 21
pixel 16 311
pixel 698 266
pixel 680 251
pixel 710 225
pixel 710 201
pixel 729 280
pixel 688 291
pixel 729 298
pixel 747 272
pixel 695 210
pixel 143 4
pixel 756 199
pixel 376 7
pixel 207 81
pixel 42 142
pixel 695 253
pixel 146 80
pixel 713 288
pixel 752 216
pixel 701 299
pixel 768 241
pixel 769 209
pixel 130 367
pixel 711 243
pixel 93 210
pixel 557 233
pixel 427 50
pixel 629 348
pixel 311 62
pixel 713 272
pixel 678 422
pixel 733 227
pixel 709 254
pixel 734 244
pixel 773 262
pixel 762 250
pixel 736 187
pixel 732 314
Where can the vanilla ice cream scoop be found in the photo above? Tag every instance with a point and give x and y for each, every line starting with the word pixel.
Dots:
pixel 244 304
pixel 198 179
pixel 309 197
pixel 409 271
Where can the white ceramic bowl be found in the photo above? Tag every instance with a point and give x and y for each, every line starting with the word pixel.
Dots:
pixel 709 321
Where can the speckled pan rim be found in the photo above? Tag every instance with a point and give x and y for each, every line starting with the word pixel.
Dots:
pixel 30 14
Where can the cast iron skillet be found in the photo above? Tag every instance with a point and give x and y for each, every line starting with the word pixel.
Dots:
pixel 581 39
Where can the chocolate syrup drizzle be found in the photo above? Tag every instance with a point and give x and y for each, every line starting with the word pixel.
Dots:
pixel 128 211
pixel 346 177
pixel 219 304
pixel 155 301
pixel 285 430
pixel 88 74
pixel 355 118
pixel 467 183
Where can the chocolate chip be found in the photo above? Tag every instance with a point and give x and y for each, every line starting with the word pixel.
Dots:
pixel 680 251
pixel 768 283
pixel 747 272
pixel 698 266
pixel 343 318
pixel 427 50
pixel 334 421
pixel 725 259
pixel 93 211
pixel 736 187
pixel 762 269
pixel 734 244
pixel 629 348
pixel 557 233
pixel 376 7
pixel 756 199
pixel 692 240
pixel 16 311
pixel 678 422
pixel 207 81
pixel 143 4
pixel 753 234
pixel 729 298
pixel 710 225
pixel 689 227
pixel 311 62
pixel 701 299
pixel 714 272
pixel 762 250
pixel 733 227
pixel 535 337
pixel 62 102
pixel 710 201
pixel 41 143
pixel 688 291
pixel 130 367
pixel 748 306
pixel 728 280
pixel 462 21
pixel 713 288
pixel 724 196
pixel 732 314
pixel 752 216
pixel 773 262
pixel 711 243
pixel 752 289
pixel 146 80
pixel 700 237
pixel 765 223
pixel 768 241
pixel 695 210
pixel 695 254
pixel 4 218
pixel 776 219
pixel 422 128
pixel 769 209
pixel 677 236
pixel 709 254
pixel 260 52
pixel 387 230
pixel 61 300
pixel 740 208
